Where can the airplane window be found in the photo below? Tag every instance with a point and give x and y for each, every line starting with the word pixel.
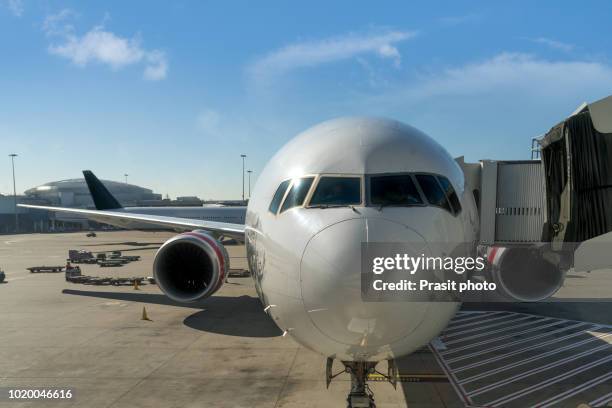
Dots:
pixel 278 196
pixel 394 190
pixel 337 191
pixel 432 191
pixel 297 194
pixel 450 193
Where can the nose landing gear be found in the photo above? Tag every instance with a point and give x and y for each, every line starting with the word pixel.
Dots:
pixel 360 395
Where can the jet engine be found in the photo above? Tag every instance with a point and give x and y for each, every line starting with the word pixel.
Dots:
pixel 524 274
pixel 190 266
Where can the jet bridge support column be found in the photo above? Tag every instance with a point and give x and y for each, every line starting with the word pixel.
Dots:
pixel 488 201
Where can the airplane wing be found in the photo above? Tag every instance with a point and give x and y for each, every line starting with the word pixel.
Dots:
pixel 130 220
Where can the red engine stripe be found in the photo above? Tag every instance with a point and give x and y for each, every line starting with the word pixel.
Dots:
pixel 492 253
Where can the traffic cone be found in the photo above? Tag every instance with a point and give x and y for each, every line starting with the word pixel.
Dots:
pixel 144 315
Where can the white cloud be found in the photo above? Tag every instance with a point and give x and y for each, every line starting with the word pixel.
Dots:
pixel 313 53
pixel 389 51
pixel 515 72
pixel 15 7
pixel 557 45
pixel 99 45
pixel 157 67
pixel 495 105
pixel 57 24
pixel 521 82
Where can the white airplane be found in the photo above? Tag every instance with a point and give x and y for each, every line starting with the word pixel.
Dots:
pixel 104 200
pixel 331 188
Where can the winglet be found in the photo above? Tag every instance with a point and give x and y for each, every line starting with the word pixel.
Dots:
pixel 102 198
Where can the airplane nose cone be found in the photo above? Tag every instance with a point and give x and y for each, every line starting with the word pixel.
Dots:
pixel 331 286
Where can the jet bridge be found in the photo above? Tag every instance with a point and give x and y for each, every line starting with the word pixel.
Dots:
pixel 577 157
pixel 512 201
pixel 538 218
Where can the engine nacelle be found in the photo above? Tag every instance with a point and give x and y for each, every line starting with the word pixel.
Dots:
pixel 190 266
pixel 524 274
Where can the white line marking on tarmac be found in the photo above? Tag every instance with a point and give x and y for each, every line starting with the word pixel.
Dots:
pixel 527 360
pixel 454 383
pixel 503 329
pixel 486 326
pixel 527 340
pixel 455 322
pixel 469 312
pixel 573 391
pixel 577 336
pixel 504 337
pixel 446 332
pixel 601 401
pixel 522 350
pixel 546 383
pixel 545 367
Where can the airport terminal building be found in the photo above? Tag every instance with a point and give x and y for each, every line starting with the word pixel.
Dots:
pixel 68 193
pixel 75 194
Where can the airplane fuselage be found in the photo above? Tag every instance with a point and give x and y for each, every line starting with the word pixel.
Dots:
pixel 306 258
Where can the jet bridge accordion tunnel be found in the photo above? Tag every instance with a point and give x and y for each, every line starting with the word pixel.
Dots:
pixel 577 160
pixel 538 216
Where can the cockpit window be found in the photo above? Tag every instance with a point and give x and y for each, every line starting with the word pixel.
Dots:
pixel 394 190
pixel 298 193
pixel 337 191
pixel 278 196
pixel 433 192
pixel 450 193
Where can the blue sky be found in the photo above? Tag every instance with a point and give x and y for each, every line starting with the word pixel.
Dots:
pixel 173 92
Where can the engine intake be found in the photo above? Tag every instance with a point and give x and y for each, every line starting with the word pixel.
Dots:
pixel 190 266
pixel 524 274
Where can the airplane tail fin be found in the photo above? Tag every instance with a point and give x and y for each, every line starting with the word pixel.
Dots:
pixel 102 198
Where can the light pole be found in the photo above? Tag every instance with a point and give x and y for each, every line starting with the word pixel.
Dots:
pixel 12 156
pixel 125 175
pixel 249 171
pixel 243 157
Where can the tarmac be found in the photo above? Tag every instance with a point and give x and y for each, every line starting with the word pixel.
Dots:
pixel 226 352
pixel 220 352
